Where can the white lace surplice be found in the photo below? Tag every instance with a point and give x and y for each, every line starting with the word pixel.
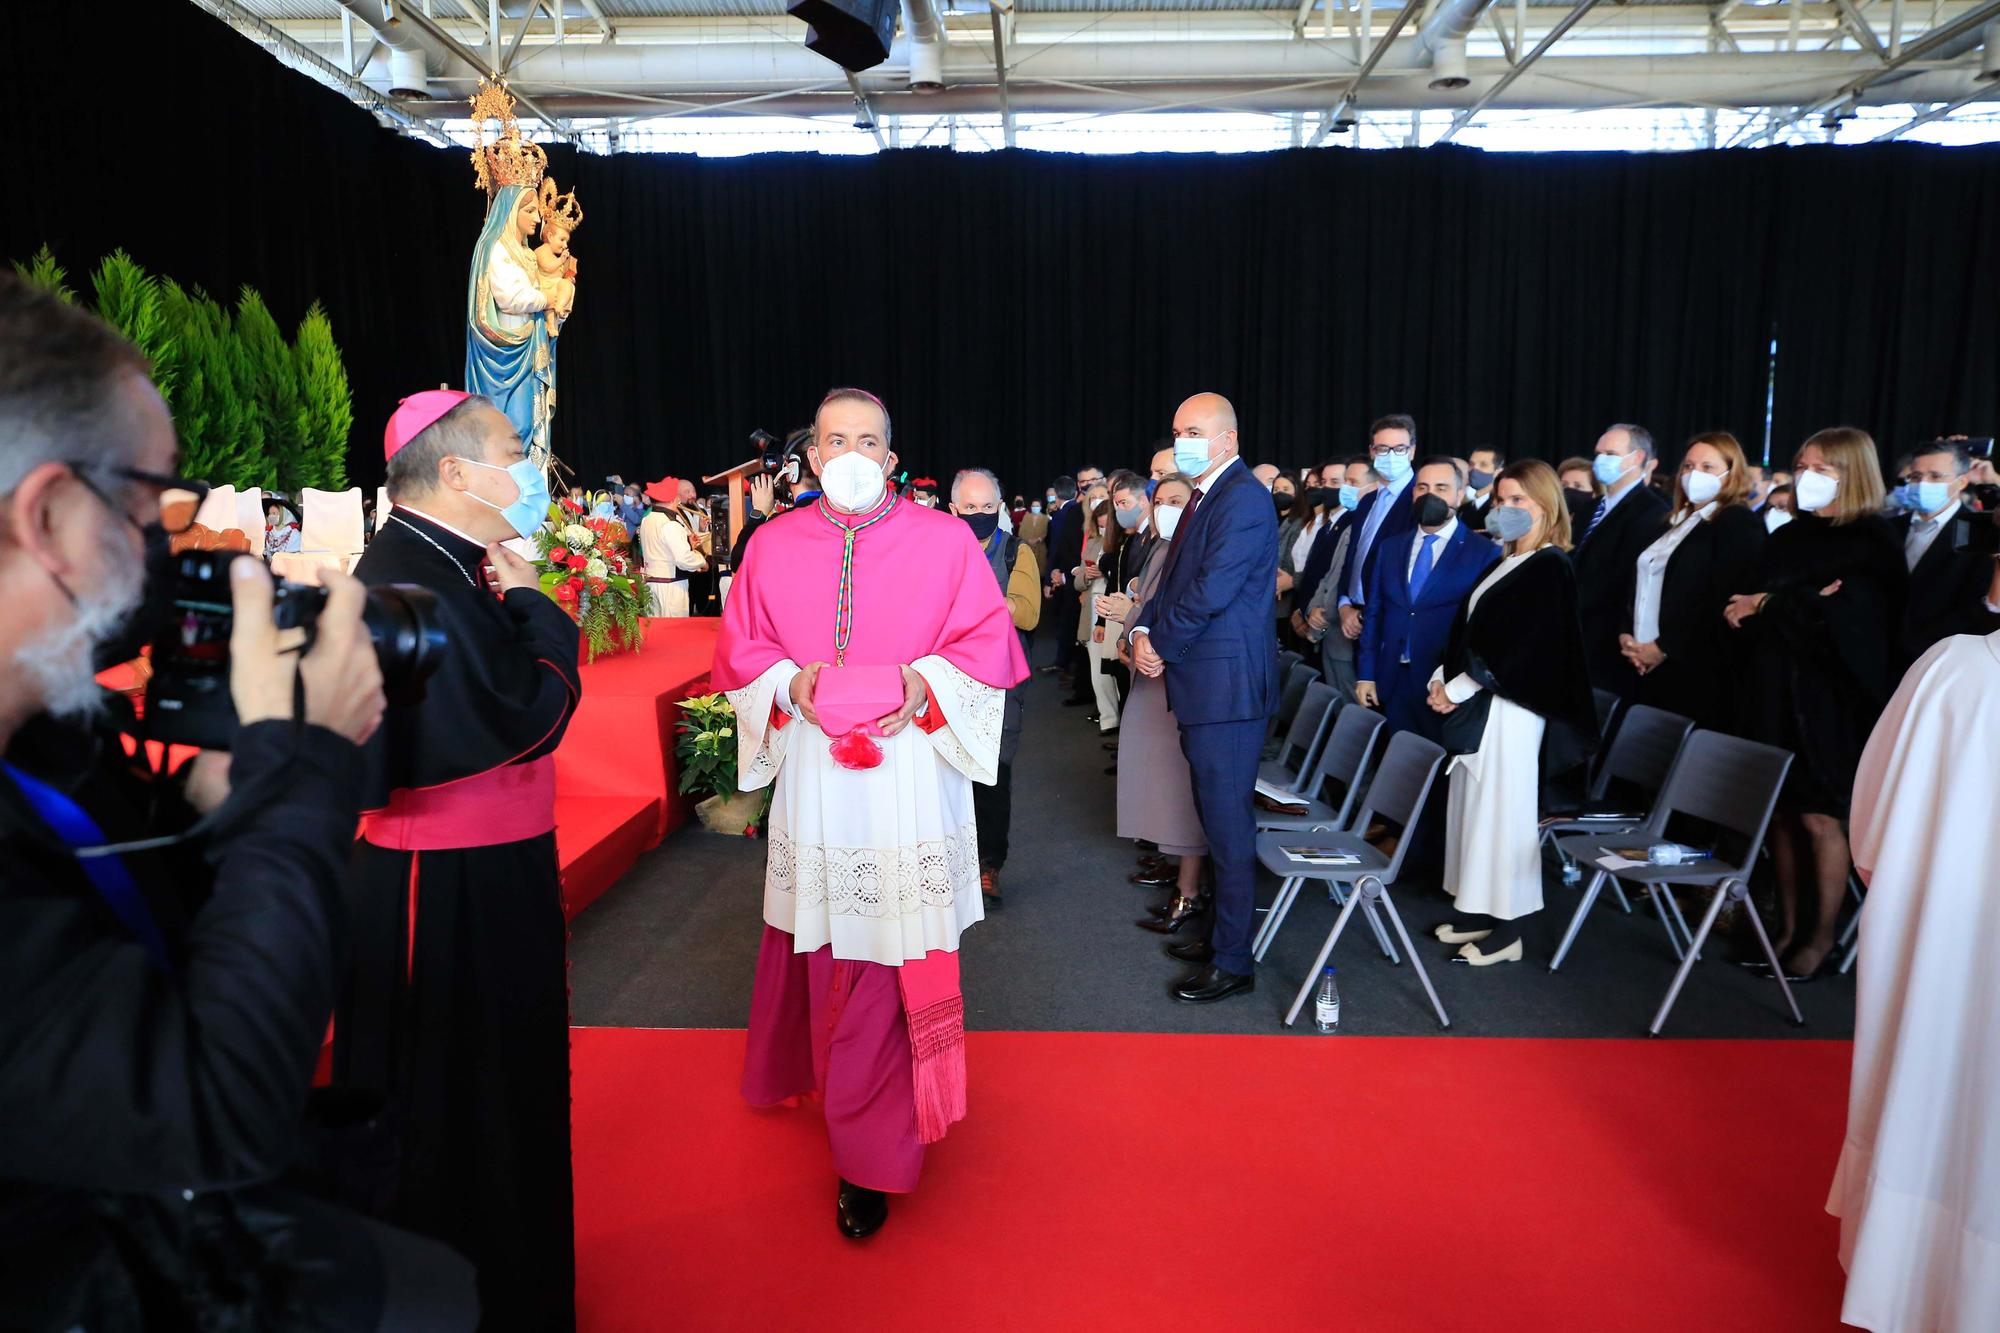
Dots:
pixel 881 863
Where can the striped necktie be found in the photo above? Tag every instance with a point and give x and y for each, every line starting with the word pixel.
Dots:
pixel 1596 517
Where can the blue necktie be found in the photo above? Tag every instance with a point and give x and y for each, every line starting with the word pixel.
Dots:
pixel 107 874
pixel 1420 572
pixel 1596 517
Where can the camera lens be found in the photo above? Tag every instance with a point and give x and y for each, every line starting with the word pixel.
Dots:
pixel 402 621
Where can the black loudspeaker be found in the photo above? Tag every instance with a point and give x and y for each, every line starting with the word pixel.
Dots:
pixel 854 34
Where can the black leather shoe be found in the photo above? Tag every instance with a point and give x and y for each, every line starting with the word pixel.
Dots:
pixel 1111 745
pixel 1154 879
pixel 1159 910
pixel 860 1212
pixel 1211 984
pixel 1111 771
pixel 1192 951
pixel 1178 915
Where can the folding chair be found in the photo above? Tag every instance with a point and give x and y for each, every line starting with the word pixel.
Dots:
pixel 1640 758
pixel 1343 758
pixel 1287 659
pixel 1608 706
pixel 1302 739
pixel 1729 783
pixel 1402 783
pixel 1290 696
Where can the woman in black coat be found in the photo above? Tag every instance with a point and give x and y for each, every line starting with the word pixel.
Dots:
pixel 1517 705
pixel 1820 633
pixel 1675 636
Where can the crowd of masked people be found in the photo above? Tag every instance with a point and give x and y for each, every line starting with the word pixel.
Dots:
pixel 1496 606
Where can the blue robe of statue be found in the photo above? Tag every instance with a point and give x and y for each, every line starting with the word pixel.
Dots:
pixel 510 355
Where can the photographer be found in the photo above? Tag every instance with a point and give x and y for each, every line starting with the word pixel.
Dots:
pixel 161 1010
pixel 457 1004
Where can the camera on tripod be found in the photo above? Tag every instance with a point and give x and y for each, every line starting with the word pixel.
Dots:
pixel 187 698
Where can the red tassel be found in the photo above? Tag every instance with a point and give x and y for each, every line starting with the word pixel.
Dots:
pixel 856 750
pixel 937 1043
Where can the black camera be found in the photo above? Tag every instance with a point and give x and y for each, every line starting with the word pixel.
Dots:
pixel 187 698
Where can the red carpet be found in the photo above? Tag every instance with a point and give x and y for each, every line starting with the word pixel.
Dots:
pixel 1117 1181
pixel 615 770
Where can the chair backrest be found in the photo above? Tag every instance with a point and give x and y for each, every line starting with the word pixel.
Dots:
pixel 1287 659
pixel 1345 755
pixel 331 521
pixel 1642 750
pixel 382 507
pixel 1409 768
pixel 218 509
pixel 1302 738
pixel 1291 696
pixel 1725 781
pixel 250 516
pixel 1607 709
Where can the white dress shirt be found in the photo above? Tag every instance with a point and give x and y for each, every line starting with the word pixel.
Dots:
pixel 1923 531
pixel 1385 497
pixel 1443 536
pixel 1653 563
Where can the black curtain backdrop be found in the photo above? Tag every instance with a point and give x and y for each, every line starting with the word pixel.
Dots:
pixel 1032 312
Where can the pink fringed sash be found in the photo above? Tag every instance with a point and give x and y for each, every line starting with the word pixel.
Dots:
pixel 936 1011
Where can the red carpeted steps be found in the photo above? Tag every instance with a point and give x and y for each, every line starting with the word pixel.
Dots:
pixel 597 840
pixel 1112 1181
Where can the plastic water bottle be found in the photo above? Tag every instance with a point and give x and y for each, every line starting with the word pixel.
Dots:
pixel 1326 1004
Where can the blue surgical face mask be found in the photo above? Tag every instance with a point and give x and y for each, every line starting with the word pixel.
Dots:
pixel 1927 497
pixel 1149 488
pixel 1509 523
pixel 1035 508
pixel 1192 454
pixel 1392 467
pixel 1609 469
pixel 531 508
pixel 1128 519
pixel 1350 496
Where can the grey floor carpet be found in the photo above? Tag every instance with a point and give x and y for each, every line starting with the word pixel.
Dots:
pixel 674 944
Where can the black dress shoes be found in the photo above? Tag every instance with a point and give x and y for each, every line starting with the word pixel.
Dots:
pixel 860 1212
pixel 1178 915
pixel 1192 951
pixel 1211 984
pixel 1154 879
pixel 1112 771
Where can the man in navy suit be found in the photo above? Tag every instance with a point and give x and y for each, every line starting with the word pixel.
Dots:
pixel 1382 516
pixel 1414 592
pixel 1208 631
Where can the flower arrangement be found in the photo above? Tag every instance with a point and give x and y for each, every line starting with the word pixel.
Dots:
pixel 586 567
pixel 705 744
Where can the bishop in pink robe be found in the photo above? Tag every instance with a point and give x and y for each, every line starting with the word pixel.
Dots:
pixel 873 872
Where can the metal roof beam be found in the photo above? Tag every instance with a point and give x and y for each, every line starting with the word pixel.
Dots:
pixel 1555 34
pixel 1985 92
pixel 1381 48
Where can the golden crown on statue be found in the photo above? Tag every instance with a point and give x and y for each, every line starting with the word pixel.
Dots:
pixel 509 159
pixel 561 209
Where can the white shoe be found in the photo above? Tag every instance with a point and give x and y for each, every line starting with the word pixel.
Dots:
pixel 1470 954
pixel 1450 934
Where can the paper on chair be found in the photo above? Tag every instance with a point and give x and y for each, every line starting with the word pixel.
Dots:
pixel 1279 796
pixel 1322 856
pixel 1613 861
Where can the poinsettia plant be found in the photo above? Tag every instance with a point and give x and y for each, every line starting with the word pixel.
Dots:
pixel 705 745
pixel 587 567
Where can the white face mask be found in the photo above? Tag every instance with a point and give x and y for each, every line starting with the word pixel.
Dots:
pixel 853 481
pixel 1701 487
pixel 1814 490
pixel 1166 518
pixel 1775 519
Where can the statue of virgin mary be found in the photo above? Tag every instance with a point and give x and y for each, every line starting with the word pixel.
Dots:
pixel 510 348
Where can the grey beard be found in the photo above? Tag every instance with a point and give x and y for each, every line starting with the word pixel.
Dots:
pixel 60 661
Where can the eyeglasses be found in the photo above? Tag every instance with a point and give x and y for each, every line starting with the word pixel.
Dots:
pixel 1379 450
pixel 180 499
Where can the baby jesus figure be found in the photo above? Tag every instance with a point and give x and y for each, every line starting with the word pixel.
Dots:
pixel 555 266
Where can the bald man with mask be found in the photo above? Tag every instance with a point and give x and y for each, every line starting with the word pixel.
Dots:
pixel 1208 632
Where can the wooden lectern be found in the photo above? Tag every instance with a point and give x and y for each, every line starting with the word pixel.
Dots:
pixel 736 476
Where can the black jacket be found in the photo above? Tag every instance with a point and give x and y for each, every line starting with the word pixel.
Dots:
pixel 1607 567
pixel 1948 586
pixel 139 1103
pixel 1065 541
pixel 1713 563
pixel 1523 644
